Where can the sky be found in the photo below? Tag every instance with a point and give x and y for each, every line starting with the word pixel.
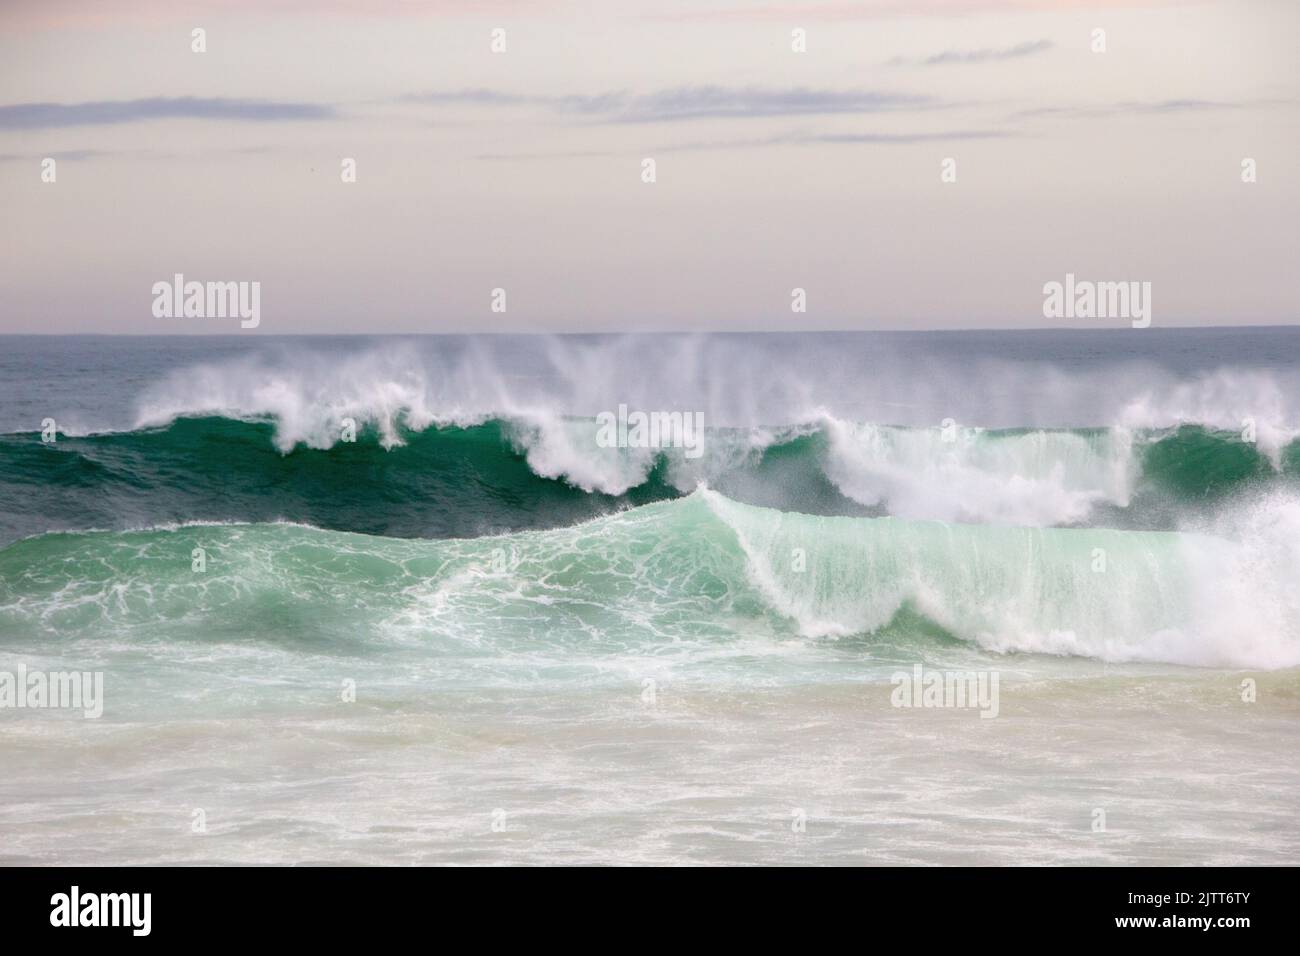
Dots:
pixel 522 170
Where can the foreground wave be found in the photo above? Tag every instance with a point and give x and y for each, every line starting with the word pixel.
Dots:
pixel 703 577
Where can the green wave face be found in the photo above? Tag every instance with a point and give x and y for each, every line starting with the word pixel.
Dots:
pixel 1192 462
pixel 703 588
pixel 506 476
pixel 317 589
pixel 441 483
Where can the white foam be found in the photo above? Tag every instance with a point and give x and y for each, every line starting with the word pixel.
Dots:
pixel 1182 598
pixel 1225 400
pixel 970 474
pixel 1045 476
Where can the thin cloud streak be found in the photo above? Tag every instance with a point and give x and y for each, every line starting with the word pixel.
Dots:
pixel 950 57
pixel 66 155
pixel 111 113
pixel 785 139
pixel 695 102
pixel 1143 108
pixel 854 138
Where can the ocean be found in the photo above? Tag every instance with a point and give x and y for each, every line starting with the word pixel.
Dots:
pixel 375 599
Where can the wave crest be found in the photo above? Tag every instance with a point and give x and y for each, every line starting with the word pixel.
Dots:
pixel 699 577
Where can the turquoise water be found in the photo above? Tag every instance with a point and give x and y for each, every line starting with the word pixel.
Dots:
pixel 475 635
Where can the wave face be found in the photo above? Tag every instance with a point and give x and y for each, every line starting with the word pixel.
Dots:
pixel 541 472
pixel 464 436
pixel 688 586
pixel 449 482
pixel 935 495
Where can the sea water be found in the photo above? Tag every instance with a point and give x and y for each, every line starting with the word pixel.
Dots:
pixel 389 600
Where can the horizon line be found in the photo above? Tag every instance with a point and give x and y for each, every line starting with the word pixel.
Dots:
pixel 818 331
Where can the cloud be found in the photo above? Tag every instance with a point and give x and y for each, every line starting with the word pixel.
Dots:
pixel 696 102
pixel 948 57
pixel 837 139
pixel 784 139
pixel 1138 107
pixel 66 155
pixel 854 138
pixel 149 153
pixel 105 113
pixel 715 102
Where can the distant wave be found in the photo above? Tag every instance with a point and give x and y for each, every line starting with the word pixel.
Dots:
pixel 466 438
pixel 736 382
pixel 539 471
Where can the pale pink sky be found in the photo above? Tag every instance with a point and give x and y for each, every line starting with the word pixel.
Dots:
pixel 522 170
